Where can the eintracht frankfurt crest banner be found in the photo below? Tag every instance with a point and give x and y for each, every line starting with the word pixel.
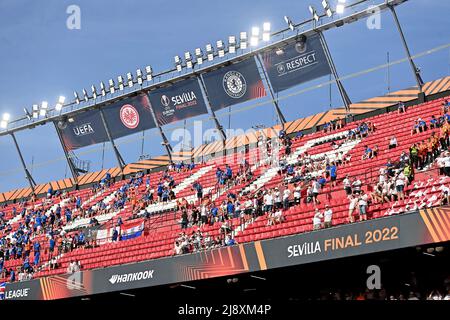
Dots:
pixel 296 63
pixel 234 84
pixel 129 116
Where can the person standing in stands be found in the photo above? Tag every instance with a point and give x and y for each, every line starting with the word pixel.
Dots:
pixel 351 208
pixel 317 220
pixel 401 107
pixel 12 275
pixel 328 216
pixel 414 155
pixel 347 185
pixel 315 188
pixel 362 203
pixel 333 173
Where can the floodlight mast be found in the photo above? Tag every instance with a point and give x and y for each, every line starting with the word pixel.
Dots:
pixel 219 127
pixel 116 151
pixel 70 163
pixel 24 166
pixel 274 100
pixel 415 70
pixel 315 18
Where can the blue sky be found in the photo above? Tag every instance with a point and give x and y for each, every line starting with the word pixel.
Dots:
pixel 41 59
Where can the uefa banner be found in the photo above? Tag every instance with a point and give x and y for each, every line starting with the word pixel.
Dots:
pixel 390 233
pixel 234 84
pixel 124 117
pixel 82 130
pixel 178 102
pixel 296 63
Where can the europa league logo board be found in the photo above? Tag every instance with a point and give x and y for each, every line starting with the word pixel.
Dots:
pixel 180 101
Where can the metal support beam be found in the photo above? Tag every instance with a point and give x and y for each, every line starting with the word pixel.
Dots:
pixel 27 173
pixel 116 152
pixel 345 98
pixel 163 136
pixel 72 167
pixel 414 68
pixel 219 127
pixel 275 101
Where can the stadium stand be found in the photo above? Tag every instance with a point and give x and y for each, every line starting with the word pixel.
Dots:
pixel 338 172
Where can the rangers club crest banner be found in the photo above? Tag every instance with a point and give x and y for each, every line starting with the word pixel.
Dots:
pixel 124 117
pixel 178 102
pixel 296 63
pixel 234 84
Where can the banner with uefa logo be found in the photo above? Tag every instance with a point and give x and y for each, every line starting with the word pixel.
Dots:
pixel 234 84
pixel 82 130
pixel 296 63
pixel 180 101
pixel 124 117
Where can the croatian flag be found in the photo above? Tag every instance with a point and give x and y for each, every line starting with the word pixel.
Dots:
pixel 2 290
pixel 132 230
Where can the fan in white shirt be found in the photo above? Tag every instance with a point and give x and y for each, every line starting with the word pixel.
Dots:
pixel 328 216
pixel 317 220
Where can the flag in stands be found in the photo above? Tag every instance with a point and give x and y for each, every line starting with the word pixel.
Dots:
pixel 132 230
pixel 2 290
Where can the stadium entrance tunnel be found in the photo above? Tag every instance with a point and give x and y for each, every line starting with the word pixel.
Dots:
pixel 399 273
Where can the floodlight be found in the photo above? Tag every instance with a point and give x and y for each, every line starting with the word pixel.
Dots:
pixel 255 36
pixel 266 31
pixel 178 65
pixel 340 7
pixel 6 117
pixel 231 44
pixel 243 40
pixel 94 92
pixel 85 95
pixel 3 124
pixel 326 7
pixel 43 110
pixel 289 23
pixel 314 13
pixel 220 48
pixel 27 113
pixel 60 103
pixel 112 86
pixel 35 111
pixel 77 97
pixel 149 73
pixel 209 52
pixel 199 56
pixel 130 79
pixel 188 58
pixel 139 76
pixel 102 89
pixel 120 80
